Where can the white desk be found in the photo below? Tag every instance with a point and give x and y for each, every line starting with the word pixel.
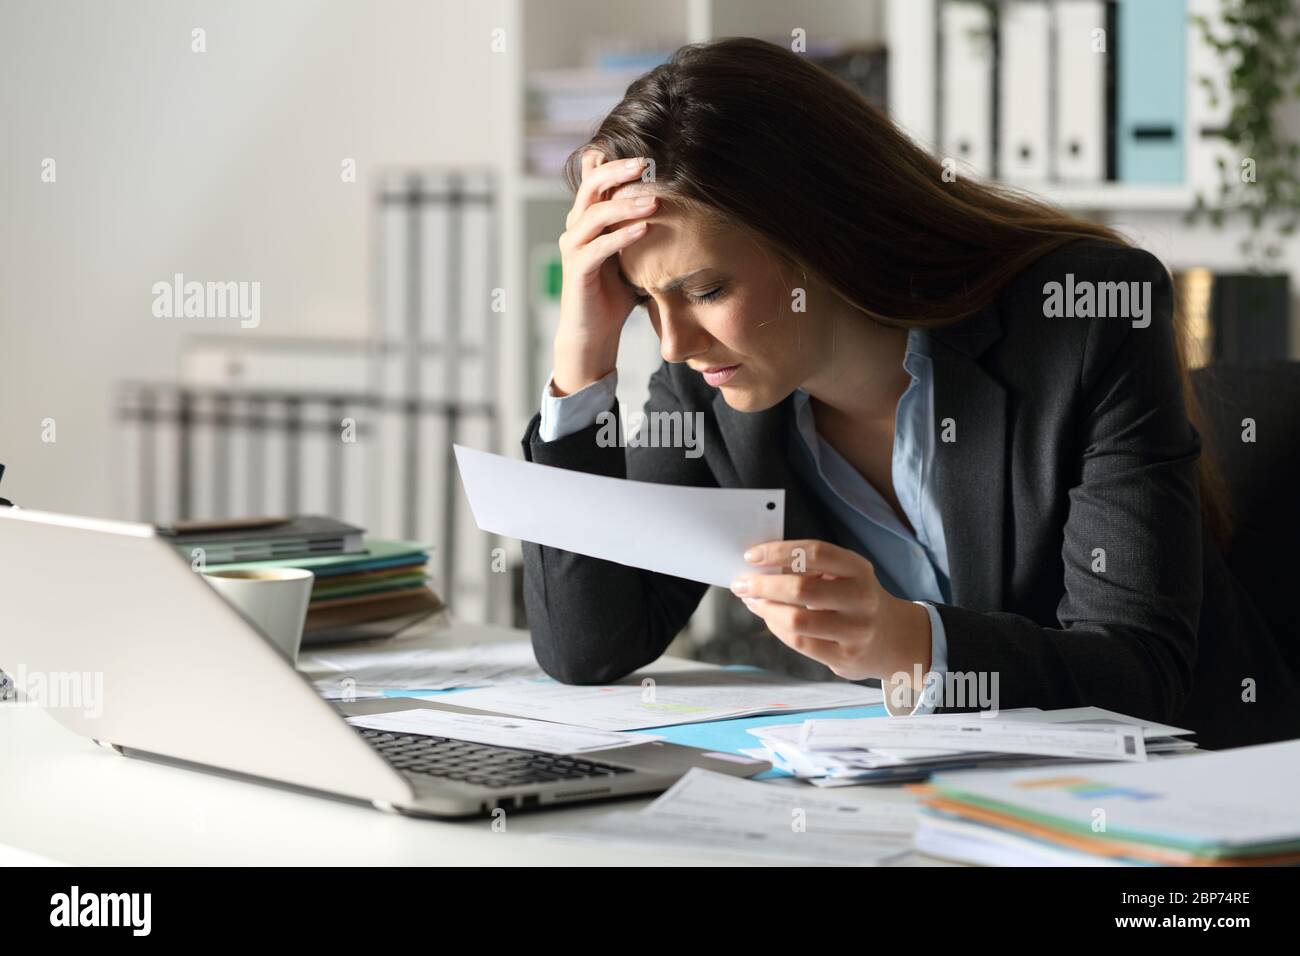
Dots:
pixel 65 799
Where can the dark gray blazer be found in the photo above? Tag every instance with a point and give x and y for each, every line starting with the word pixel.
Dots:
pixel 1071 435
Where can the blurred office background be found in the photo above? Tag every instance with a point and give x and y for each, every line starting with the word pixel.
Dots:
pixel 388 172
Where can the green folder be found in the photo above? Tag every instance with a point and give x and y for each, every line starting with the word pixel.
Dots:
pixel 401 583
pixel 379 553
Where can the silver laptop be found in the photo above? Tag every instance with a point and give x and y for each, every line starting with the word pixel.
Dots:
pixel 188 680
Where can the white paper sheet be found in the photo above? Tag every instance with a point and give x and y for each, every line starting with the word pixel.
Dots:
pixel 712 812
pixel 498 731
pixel 683 697
pixel 1080 741
pixel 718 797
pixel 1099 715
pixel 696 533
pixel 422 668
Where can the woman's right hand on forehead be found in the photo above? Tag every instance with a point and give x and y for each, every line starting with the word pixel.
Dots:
pixel 594 302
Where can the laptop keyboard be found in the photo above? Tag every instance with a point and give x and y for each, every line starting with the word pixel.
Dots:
pixel 480 764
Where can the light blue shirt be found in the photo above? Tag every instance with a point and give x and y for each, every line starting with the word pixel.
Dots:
pixel 913 566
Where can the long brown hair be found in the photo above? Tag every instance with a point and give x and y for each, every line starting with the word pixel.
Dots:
pixel 749 133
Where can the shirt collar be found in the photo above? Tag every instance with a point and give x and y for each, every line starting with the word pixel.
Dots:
pixel 915 358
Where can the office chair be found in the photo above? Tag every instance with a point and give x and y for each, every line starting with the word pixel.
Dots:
pixel 1263 483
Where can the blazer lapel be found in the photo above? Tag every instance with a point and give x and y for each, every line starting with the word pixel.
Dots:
pixel 970 471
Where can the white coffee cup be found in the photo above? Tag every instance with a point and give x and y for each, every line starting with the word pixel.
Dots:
pixel 275 599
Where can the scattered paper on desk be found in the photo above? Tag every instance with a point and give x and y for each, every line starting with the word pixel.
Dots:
pixel 1078 741
pixel 896 754
pixel 707 795
pixel 713 812
pixel 677 697
pixel 1098 715
pixel 497 731
pixel 696 533
pixel 393 667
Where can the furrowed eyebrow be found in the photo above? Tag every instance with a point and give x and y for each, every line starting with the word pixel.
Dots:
pixel 669 287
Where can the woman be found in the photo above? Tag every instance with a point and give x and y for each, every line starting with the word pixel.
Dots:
pixel 975 403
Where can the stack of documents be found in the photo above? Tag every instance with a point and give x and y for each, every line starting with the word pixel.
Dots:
pixel 368 594
pixel 883 749
pixel 712 813
pixel 562 103
pixel 1233 808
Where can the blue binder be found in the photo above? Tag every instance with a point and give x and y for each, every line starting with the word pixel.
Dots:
pixel 1152 95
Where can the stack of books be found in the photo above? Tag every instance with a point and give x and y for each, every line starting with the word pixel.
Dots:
pixel 365 587
pixel 562 105
pixel 1232 808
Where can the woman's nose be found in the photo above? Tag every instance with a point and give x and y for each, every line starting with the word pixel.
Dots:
pixel 679 337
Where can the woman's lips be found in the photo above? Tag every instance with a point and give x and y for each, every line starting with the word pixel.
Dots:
pixel 720 376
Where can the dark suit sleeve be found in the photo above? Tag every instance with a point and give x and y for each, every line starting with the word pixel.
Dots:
pixel 1127 639
pixel 594 621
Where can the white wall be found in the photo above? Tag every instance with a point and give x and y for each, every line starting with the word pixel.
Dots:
pixel 223 165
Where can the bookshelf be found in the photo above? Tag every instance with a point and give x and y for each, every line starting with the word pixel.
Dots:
pixel 910 28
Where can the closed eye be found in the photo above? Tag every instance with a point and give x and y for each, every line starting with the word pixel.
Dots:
pixel 706 296
pixel 698 299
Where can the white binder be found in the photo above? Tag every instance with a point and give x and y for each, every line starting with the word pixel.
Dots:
pixel 1023 91
pixel 242 451
pixel 358 463
pixel 1080 135
pixel 166 499
pixel 966 113
pixel 318 438
pixel 1205 119
pixel 275 495
pixel 911 27
pixel 204 466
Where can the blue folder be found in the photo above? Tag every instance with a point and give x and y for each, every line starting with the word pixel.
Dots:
pixel 722 736
pixel 732 736
pixel 1151 95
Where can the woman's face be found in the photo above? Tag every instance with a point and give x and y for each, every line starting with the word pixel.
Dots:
pixel 720 303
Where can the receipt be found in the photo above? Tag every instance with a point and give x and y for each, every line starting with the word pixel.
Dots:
pixel 696 533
